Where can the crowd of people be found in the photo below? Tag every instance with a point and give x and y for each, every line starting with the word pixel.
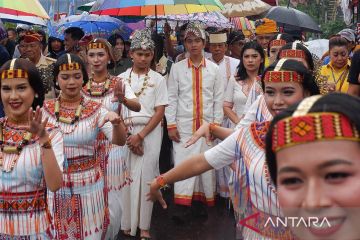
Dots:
pixel 87 125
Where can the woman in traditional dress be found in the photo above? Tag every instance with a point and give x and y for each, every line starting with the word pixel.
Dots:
pixel 240 93
pixel 79 207
pixel 115 94
pixel 31 155
pixel 145 134
pixel 285 83
pixel 313 155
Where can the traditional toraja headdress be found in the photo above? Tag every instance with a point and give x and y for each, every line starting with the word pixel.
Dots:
pixel 195 28
pixel 31 36
pixel 282 76
pixel 217 38
pixel 141 39
pixel 265 26
pixel 12 73
pixel 303 127
pixel 69 65
pixel 293 52
pixel 278 42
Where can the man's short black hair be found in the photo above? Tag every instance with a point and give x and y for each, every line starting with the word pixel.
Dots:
pixel 75 32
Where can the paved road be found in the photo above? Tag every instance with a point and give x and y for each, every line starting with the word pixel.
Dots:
pixel 220 224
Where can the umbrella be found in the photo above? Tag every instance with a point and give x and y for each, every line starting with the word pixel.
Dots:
pixel 154 7
pixel 23 8
pixel 86 7
pixel 137 25
pixel 211 19
pixel 244 8
pixel 318 46
pixel 97 26
pixel 242 23
pixel 22 19
pixel 293 17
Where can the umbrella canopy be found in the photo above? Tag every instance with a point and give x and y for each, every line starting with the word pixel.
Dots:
pixel 23 8
pixel 293 17
pixel 318 46
pixel 22 19
pixel 244 8
pixel 154 7
pixel 211 19
pixel 86 7
pixel 137 25
pixel 242 23
pixel 97 26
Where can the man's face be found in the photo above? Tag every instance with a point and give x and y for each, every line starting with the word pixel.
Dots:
pixel 194 45
pixel 32 51
pixel 264 39
pixel 218 50
pixel 12 35
pixel 142 58
pixel 69 42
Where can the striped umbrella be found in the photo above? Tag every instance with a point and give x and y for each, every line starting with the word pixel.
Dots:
pixel 23 8
pixel 242 23
pixel 154 7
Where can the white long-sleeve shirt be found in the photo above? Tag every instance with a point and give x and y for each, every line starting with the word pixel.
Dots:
pixel 195 94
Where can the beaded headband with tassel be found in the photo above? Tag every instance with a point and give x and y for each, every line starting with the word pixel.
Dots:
pixel 12 73
pixel 278 42
pixel 303 127
pixel 282 76
pixel 70 65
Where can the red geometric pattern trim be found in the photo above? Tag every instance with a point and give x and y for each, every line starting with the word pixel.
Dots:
pixel 313 127
pixel 282 76
pixel 23 202
pixel 258 132
pixel 292 53
pixel 90 108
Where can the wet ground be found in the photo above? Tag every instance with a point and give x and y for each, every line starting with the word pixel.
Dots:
pixel 219 225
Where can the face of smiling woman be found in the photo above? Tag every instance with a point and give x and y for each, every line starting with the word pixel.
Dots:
pixel 321 179
pixel 17 97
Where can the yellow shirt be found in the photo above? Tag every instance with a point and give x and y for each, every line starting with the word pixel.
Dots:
pixel 337 76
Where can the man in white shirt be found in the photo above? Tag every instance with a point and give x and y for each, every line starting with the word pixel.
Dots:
pixel 195 89
pixel 218 47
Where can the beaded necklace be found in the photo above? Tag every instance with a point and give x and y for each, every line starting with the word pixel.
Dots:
pixel 106 87
pixel 66 119
pixel 145 83
pixel 11 148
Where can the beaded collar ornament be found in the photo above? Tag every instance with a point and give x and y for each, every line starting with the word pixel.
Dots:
pixel 11 148
pixel 145 83
pixel 303 127
pixel 12 73
pixel 282 76
pixel 106 87
pixel 68 120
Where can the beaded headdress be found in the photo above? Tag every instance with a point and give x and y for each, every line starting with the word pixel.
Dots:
pixel 293 52
pixel 69 65
pixel 282 76
pixel 141 39
pixel 303 127
pixel 12 73
pixel 195 28
pixel 278 42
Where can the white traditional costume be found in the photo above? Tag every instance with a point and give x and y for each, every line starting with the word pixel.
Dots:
pixel 195 95
pixel 151 91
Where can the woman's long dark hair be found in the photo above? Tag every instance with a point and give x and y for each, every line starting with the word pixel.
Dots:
pixel 34 78
pixel 242 73
pixel 308 83
pixel 308 57
pixel 63 59
pixel 334 102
